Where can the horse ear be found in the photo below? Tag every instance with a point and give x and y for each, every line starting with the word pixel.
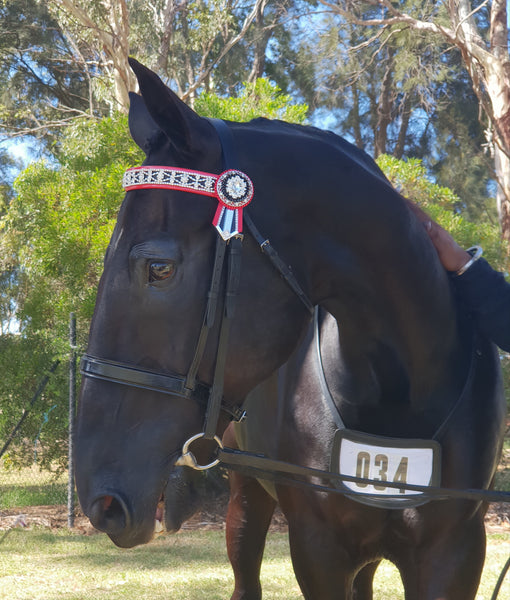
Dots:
pixel 167 111
pixel 141 125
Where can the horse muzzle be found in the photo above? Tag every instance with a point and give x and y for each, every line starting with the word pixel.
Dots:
pixel 111 514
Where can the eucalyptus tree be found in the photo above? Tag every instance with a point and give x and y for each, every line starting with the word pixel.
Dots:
pixel 184 41
pixel 67 58
pixel 479 32
pixel 41 90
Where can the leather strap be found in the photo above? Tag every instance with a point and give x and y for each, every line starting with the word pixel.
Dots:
pixel 289 474
pixel 284 270
pixel 210 312
pixel 134 376
pixel 216 395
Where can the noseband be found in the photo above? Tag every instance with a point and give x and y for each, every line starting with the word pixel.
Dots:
pixel 234 190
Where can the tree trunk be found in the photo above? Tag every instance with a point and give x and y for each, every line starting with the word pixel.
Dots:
pixel 113 35
pixel 498 88
pixel 384 106
pixel 502 167
pixel 356 121
pixel 405 112
pixel 262 37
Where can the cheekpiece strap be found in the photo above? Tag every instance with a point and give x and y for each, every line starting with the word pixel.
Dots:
pixel 233 189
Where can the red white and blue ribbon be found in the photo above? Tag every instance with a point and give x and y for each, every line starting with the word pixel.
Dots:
pixel 233 189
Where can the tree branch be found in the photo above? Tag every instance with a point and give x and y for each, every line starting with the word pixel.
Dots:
pixel 259 5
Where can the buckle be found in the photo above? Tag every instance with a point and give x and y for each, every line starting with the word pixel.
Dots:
pixel 239 415
pixel 188 459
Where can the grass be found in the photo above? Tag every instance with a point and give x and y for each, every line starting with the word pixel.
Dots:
pixel 42 565
pixel 31 487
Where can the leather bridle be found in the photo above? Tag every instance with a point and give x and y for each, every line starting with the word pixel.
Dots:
pixel 227 259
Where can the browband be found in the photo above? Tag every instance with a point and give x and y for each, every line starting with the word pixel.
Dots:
pixel 233 189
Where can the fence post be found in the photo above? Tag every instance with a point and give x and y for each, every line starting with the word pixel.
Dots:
pixel 72 412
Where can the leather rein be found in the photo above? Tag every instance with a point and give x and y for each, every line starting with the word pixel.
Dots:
pixel 227 260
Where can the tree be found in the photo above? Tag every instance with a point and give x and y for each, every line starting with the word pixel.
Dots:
pixel 42 90
pixel 53 237
pixel 479 31
pixel 64 59
pixel 383 88
pixel 183 41
pixel 389 92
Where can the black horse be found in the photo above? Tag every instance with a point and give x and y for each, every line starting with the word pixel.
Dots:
pixel 400 360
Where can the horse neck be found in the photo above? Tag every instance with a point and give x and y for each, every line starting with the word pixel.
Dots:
pixel 396 314
pixel 395 343
pixel 362 255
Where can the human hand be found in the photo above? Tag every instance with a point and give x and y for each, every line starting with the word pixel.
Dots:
pixel 451 255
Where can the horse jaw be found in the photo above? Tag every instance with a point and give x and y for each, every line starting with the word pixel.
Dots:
pixel 181 498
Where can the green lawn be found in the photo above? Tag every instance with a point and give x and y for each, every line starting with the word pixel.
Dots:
pixel 38 564
pixel 31 487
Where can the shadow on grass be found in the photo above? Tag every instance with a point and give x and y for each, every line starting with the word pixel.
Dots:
pixel 99 552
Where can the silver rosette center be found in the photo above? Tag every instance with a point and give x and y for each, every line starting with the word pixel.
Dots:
pixel 234 189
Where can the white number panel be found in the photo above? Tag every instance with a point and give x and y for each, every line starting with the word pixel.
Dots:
pixel 386 460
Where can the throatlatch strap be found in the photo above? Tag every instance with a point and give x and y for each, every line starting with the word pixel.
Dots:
pixel 284 270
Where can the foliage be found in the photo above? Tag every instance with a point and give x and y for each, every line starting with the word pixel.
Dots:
pixel 411 179
pixel 392 90
pixel 25 362
pixel 39 84
pixel 58 225
pixel 259 99
pixel 52 241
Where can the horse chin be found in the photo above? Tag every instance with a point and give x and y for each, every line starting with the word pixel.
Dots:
pixel 133 537
pixel 179 502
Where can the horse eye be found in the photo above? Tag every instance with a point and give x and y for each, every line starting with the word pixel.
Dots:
pixel 159 271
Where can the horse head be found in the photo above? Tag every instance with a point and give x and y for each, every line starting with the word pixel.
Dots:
pixel 149 318
pixel 354 248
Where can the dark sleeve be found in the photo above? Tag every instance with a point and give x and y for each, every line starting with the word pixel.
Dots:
pixel 486 294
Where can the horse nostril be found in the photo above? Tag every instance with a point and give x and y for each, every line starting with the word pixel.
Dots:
pixel 109 513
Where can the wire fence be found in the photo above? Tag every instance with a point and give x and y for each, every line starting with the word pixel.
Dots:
pixel 42 483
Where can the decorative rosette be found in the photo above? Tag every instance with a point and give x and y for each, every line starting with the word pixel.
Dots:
pixel 234 191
